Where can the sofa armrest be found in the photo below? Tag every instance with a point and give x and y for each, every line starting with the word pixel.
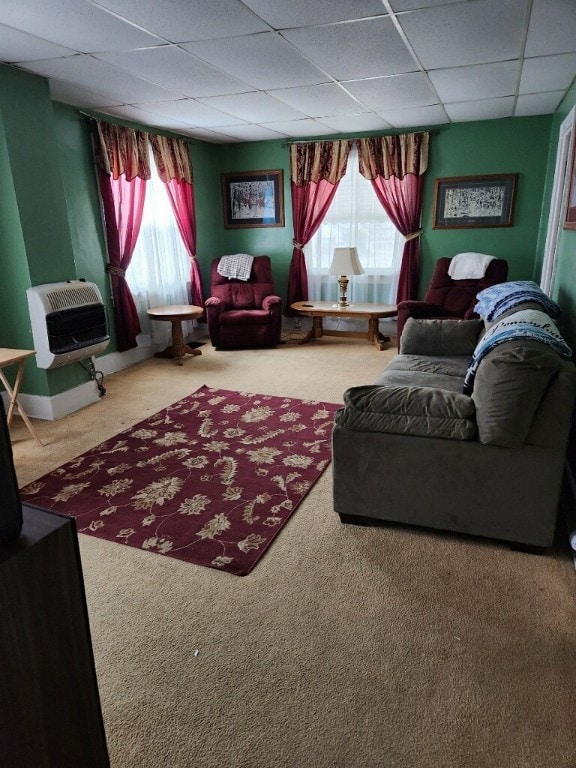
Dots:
pixel 440 338
pixel 423 411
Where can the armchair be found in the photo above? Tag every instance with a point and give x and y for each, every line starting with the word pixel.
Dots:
pixel 450 299
pixel 244 313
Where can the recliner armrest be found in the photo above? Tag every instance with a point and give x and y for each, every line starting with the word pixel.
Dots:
pixel 271 301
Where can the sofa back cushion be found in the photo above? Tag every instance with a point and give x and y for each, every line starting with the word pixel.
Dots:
pixel 509 385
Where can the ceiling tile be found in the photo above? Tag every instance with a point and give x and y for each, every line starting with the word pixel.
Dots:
pixel 254 133
pixel 413 5
pixel 406 118
pixel 192 112
pixel 300 128
pixel 81 26
pixel 183 21
pixel 172 68
pixel 318 100
pixel 284 14
pixel 538 103
pixel 548 73
pixel 356 123
pixel 80 96
pixel 483 81
pixel 20 46
pixel 470 33
pixel 353 51
pixel 486 109
pixel 92 73
pixel 264 61
pixel 413 90
pixel 552 27
pixel 256 107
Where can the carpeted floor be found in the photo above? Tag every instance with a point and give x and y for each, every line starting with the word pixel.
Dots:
pixel 347 647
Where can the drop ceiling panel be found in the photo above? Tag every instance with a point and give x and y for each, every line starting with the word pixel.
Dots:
pixel 487 109
pixel 253 133
pixel 382 93
pixel 538 103
pixel 92 73
pixel 183 21
pixel 352 51
pixel 255 107
pixel 552 27
pixel 483 81
pixel 413 5
pixel 356 123
pixel 282 15
pixel 405 118
pixel 172 68
pixel 80 96
pixel 472 33
pixel 548 73
pixel 300 128
pixel 264 61
pixel 73 24
pixel 19 46
pixel 319 100
pixel 192 112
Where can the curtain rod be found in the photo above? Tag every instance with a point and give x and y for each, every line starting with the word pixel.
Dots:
pixel 288 143
pixel 172 133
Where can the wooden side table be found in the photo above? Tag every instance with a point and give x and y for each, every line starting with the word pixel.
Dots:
pixel 175 314
pixel 17 357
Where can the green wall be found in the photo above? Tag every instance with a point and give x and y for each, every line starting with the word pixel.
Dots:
pixel 51 227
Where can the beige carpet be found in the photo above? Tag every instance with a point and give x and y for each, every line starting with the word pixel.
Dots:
pixel 346 647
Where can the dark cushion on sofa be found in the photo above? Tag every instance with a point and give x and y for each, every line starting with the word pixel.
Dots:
pixel 424 411
pixel 436 337
pixel 509 385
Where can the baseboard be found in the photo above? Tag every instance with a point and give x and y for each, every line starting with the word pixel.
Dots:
pixel 57 406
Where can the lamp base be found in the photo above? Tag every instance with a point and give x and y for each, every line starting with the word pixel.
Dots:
pixel 343 283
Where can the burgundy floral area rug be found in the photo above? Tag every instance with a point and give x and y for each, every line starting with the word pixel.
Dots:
pixel 211 479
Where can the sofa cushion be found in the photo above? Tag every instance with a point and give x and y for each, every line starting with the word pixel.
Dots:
pixel 413 370
pixel 508 387
pixel 440 337
pixel 423 411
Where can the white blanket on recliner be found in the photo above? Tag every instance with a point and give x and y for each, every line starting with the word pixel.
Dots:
pixel 469 266
pixel 237 265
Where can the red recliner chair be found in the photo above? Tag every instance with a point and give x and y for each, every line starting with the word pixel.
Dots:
pixel 244 313
pixel 450 299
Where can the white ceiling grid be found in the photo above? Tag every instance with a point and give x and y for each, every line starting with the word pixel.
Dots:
pixel 250 70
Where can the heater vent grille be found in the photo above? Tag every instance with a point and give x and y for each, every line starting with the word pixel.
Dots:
pixel 72 296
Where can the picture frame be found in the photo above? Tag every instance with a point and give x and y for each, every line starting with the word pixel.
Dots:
pixel 466 202
pixel 253 199
pixel 570 216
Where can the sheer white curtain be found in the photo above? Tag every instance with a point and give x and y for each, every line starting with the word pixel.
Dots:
pixel 356 218
pixel 160 268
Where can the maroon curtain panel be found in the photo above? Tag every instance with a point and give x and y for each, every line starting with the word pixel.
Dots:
pixel 123 204
pixel 395 165
pixel 316 169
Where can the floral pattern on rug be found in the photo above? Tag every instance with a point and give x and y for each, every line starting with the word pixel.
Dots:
pixel 209 480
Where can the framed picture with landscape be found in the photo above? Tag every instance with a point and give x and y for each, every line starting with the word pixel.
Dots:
pixel 475 201
pixel 253 199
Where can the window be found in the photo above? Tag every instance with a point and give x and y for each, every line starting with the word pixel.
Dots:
pixel 159 272
pixel 356 218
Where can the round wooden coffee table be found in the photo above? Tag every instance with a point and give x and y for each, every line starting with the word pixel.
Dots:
pixel 175 314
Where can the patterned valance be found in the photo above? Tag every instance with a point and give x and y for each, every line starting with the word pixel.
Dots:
pixel 316 161
pixel 171 158
pixel 120 150
pixel 386 156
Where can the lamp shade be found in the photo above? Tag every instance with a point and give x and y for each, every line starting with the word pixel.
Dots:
pixel 346 262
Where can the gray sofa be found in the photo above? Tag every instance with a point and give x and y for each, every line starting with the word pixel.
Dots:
pixel 412 448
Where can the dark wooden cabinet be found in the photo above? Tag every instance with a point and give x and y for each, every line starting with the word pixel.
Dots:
pixel 50 715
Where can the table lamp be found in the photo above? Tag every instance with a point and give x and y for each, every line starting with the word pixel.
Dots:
pixel 345 262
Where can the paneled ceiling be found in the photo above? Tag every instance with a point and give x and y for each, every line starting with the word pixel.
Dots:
pixel 251 70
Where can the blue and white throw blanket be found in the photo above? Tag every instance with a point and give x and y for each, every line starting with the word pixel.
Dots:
pixel 236 266
pixel 499 298
pixel 528 324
